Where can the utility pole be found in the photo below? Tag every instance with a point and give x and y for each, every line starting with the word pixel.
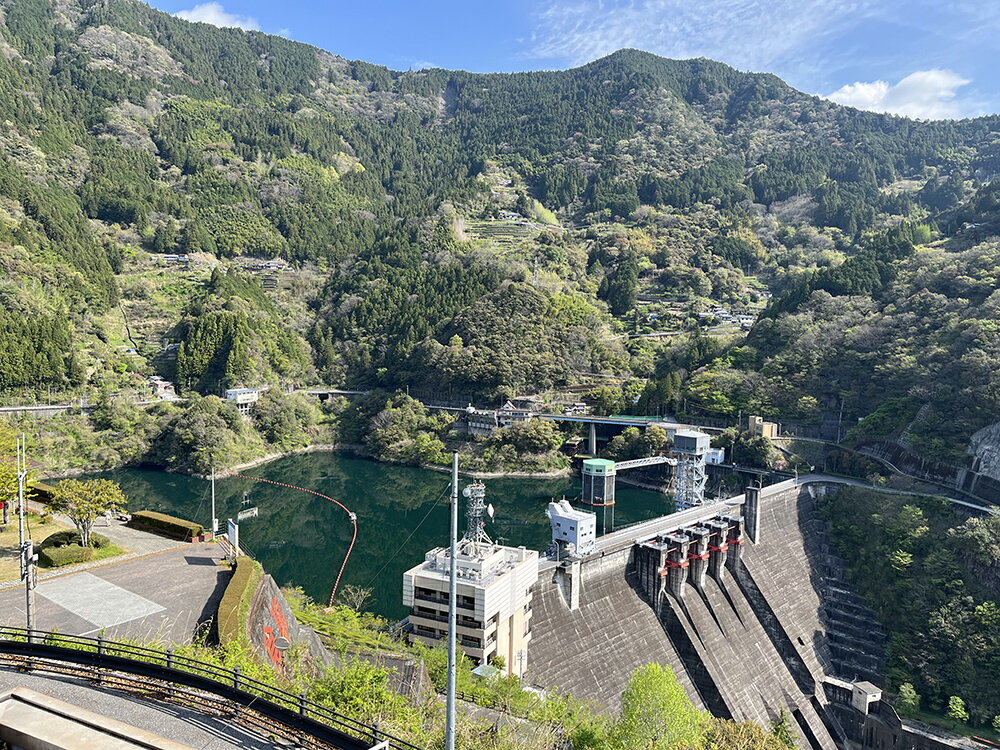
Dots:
pixel 27 547
pixel 449 730
pixel 215 522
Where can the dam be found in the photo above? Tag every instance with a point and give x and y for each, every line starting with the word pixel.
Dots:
pixel 747 602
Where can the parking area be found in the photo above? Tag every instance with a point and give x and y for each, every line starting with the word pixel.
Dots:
pixel 163 596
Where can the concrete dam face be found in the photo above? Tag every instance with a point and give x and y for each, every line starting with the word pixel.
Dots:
pixel 750 627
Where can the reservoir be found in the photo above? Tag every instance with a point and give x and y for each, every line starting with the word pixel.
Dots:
pixel 300 539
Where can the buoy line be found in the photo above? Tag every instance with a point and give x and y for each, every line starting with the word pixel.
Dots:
pixel 353 516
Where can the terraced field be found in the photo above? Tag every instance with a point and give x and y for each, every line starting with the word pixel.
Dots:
pixel 501 232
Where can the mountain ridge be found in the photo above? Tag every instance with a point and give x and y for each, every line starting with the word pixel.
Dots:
pixel 405 200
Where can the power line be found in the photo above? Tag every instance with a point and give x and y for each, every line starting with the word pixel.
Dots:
pixel 406 541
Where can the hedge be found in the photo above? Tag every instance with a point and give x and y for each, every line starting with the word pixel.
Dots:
pixel 229 620
pixel 55 557
pixel 42 492
pixel 161 523
pixel 63 548
pixel 66 538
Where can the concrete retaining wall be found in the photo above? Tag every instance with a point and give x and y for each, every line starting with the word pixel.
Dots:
pixel 271 619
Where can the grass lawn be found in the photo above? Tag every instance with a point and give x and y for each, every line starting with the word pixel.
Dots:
pixel 9 566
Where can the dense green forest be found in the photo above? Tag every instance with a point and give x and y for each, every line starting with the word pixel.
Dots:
pixel 483 235
pixel 932 579
pixel 222 208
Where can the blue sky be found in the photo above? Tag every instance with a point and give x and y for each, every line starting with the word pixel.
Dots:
pixel 922 58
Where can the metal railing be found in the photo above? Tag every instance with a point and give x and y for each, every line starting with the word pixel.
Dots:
pixel 301 716
pixel 444 600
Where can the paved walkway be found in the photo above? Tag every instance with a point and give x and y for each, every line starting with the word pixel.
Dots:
pixel 162 596
pixel 137 543
pixel 173 722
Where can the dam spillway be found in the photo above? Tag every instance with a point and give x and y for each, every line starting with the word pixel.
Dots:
pixel 749 630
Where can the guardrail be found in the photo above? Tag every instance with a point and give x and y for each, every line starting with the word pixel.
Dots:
pixel 300 717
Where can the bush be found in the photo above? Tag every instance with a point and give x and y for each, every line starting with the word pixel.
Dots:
pixel 42 492
pixel 229 619
pixel 55 557
pixel 168 525
pixel 70 537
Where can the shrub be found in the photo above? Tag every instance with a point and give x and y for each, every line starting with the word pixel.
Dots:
pixel 168 525
pixel 42 492
pixel 70 537
pixel 55 557
pixel 229 619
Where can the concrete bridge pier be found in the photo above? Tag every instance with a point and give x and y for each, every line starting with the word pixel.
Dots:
pixel 592 439
pixel 717 546
pixel 677 564
pixel 734 554
pixel 698 555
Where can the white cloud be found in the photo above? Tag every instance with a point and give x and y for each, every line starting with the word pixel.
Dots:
pixel 423 65
pixel 216 15
pixel 929 94
pixel 754 34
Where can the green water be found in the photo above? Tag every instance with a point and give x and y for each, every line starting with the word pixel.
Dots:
pixel 402 512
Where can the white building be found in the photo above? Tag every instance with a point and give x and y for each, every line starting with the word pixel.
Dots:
pixel 481 422
pixel 574 531
pixel 243 398
pixel 715 456
pixel 487 421
pixel 493 594
pixel 509 414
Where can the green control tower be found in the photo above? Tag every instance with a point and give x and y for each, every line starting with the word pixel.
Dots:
pixel 599 488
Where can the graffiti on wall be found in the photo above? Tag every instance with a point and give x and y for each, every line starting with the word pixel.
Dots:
pixel 273 631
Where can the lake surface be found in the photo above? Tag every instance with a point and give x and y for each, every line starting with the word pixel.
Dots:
pixel 402 512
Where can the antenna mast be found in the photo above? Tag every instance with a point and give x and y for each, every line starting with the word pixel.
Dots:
pixel 475 527
pixel 215 522
pixel 28 556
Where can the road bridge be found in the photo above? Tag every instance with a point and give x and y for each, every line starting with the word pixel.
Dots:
pixel 592 420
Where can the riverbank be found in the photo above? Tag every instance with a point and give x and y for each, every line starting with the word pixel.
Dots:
pixel 351 449
pixel 357 450
pixel 555 474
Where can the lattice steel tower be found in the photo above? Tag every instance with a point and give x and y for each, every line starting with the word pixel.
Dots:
pixel 690 447
pixel 476 539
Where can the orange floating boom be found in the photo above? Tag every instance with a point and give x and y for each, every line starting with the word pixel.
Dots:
pixel 351 515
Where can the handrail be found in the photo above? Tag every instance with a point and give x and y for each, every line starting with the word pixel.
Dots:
pixel 294 711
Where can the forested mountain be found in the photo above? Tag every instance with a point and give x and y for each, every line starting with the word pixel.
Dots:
pixel 480 233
